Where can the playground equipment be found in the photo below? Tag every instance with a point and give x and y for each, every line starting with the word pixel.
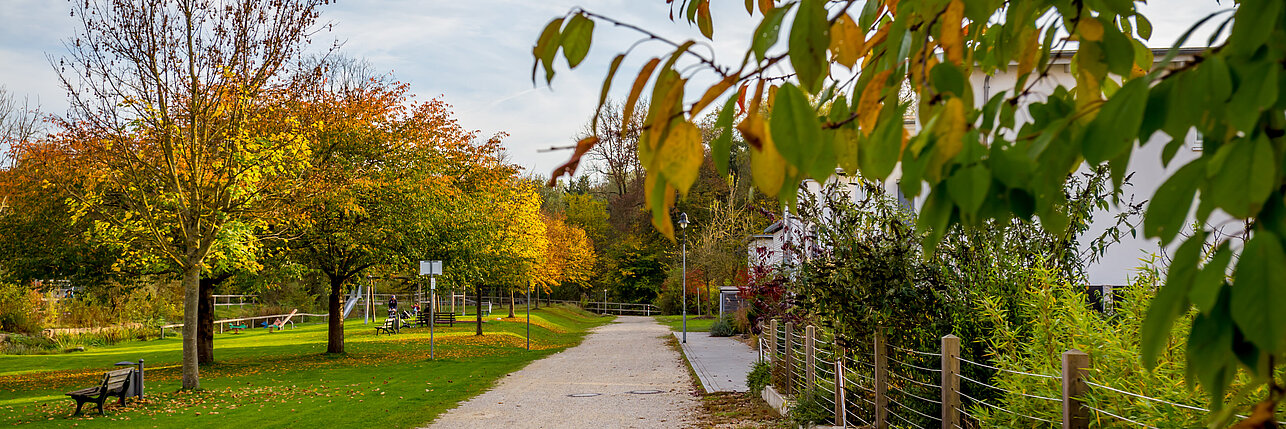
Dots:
pixel 352 300
pixel 281 323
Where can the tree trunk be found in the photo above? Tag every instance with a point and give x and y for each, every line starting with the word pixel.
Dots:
pixel 478 313
pixel 511 303
pixel 335 327
pixel 205 323
pixel 191 306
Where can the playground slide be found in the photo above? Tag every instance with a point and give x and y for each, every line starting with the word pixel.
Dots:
pixel 352 301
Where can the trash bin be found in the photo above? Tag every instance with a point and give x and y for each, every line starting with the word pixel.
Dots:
pixel 135 384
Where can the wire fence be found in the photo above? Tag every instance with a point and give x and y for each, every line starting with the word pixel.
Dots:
pixel 896 386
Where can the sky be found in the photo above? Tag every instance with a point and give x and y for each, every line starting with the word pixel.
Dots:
pixel 475 55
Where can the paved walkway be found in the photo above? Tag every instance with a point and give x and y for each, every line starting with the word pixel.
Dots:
pixel 720 362
pixel 629 355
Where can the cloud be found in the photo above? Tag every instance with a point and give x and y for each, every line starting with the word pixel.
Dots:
pixel 476 55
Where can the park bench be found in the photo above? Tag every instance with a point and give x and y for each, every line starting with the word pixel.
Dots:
pixel 422 319
pixel 115 383
pixel 390 327
pixel 444 319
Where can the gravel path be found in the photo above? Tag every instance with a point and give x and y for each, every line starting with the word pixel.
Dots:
pixel 628 355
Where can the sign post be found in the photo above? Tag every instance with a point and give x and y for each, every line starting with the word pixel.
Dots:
pixel 433 269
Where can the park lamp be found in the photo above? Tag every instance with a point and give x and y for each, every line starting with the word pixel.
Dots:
pixel 683 225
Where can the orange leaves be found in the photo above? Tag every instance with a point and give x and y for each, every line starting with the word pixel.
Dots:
pixel 569 168
pixel 712 93
pixel 848 41
pixel 869 105
pixel 951 36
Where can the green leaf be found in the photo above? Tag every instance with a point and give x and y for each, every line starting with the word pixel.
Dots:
pixel 1210 347
pixel 1256 90
pixel 948 79
pixel 1253 24
pixel 1213 276
pixel 968 188
pixel 1118 50
pixel 809 40
pixel 797 132
pixel 1259 292
pixel 1144 26
pixel 545 49
pixel 1117 125
pixel 1155 113
pixel 844 139
pixel 883 147
pixel 934 216
pixel 869 14
pixel 1171 301
pixel 721 147
pixel 577 36
pixel 769 28
pixel 1172 200
pixel 1242 173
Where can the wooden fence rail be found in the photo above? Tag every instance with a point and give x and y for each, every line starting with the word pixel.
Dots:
pixel 250 321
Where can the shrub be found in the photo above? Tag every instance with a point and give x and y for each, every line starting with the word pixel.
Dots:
pixel 1060 320
pixel 19 309
pixel 759 376
pixel 723 327
pixel 18 344
pixel 808 409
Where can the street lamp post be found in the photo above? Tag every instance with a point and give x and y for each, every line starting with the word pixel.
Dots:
pixel 683 226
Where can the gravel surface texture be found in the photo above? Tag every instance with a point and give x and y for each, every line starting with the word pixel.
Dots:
pixel 628 355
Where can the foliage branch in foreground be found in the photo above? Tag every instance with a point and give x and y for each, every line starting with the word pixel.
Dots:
pixel 971 157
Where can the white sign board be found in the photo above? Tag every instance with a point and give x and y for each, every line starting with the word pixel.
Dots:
pixel 430 268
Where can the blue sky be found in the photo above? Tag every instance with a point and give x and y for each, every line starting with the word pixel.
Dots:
pixel 474 54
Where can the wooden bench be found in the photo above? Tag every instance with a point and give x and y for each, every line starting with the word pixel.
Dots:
pixel 422 319
pixel 115 383
pixel 444 319
pixel 390 327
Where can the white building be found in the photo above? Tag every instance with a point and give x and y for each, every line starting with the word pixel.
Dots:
pixel 1121 259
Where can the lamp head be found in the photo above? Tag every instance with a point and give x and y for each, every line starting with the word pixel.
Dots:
pixel 683 220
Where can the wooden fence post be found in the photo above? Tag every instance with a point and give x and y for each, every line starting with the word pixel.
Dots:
pixel 810 355
pixel 950 382
pixel 1075 415
pixel 881 382
pixel 772 343
pixel 788 383
pixel 841 409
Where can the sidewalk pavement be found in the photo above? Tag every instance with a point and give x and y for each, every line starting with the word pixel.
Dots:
pixel 720 362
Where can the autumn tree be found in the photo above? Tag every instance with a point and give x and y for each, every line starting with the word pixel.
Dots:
pixel 383 170
pixel 167 112
pixel 569 258
pixel 824 88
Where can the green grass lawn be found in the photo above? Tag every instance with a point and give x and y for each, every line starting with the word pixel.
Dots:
pixel 695 323
pixel 285 379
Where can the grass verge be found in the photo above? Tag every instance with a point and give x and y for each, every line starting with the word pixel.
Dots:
pixel 695 323
pixel 729 409
pixel 286 378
